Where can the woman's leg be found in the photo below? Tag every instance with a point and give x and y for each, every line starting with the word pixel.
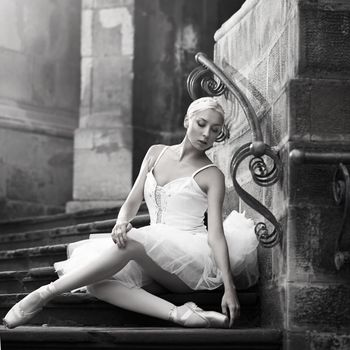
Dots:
pixel 133 299
pixel 106 265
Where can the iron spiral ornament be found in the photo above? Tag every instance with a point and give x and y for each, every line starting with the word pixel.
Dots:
pixel 262 175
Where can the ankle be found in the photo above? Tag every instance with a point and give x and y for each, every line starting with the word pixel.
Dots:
pixel 47 291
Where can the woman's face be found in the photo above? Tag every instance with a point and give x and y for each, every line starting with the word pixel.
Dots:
pixel 203 128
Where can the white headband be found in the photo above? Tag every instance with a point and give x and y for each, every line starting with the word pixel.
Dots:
pixel 203 104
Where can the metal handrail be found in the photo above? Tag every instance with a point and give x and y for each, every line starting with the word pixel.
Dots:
pixel 211 80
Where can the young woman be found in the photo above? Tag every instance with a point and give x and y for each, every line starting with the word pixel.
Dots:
pixel 179 184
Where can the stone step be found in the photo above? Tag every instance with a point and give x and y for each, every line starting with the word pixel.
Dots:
pixel 59 235
pixel 59 338
pixel 51 221
pixel 27 258
pixel 82 309
pixel 25 281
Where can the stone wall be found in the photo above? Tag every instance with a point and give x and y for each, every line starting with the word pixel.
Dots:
pixel 39 99
pixel 292 59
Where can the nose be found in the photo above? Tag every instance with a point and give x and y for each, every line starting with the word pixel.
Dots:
pixel 206 132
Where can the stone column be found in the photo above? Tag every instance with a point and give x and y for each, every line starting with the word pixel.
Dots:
pixel 103 141
pixel 292 58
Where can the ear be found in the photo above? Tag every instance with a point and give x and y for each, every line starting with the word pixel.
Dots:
pixel 186 121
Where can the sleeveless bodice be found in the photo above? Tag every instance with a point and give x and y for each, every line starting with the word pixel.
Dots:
pixel 180 203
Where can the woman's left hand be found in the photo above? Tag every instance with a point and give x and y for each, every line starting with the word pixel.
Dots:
pixel 230 304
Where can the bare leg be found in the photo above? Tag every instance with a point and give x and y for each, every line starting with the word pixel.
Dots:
pixel 133 299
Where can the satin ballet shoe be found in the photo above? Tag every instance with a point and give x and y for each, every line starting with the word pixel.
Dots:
pixel 18 315
pixel 204 319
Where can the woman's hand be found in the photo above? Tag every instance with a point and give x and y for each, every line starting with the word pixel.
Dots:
pixel 119 232
pixel 230 304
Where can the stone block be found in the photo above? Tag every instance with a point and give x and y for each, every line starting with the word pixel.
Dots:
pixel 329 341
pixel 325 44
pixel 113 32
pixel 112 89
pixel 102 164
pixel 311 184
pixel 322 307
pixel 312 234
pixel 319 109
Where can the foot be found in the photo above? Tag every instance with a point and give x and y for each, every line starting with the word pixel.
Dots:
pixel 190 315
pixel 28 307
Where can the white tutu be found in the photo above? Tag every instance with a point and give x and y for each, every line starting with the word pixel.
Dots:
pixel 184 253
pixel 176 239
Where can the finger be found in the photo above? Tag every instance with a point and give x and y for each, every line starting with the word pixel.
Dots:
pixel 232 316
pixel 224 309
pixel 121 241
pixel 128 227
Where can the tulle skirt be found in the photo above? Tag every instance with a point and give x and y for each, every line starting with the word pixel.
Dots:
pixel 183 253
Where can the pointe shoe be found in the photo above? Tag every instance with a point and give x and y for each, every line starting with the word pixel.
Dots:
pixel 18 315
pixel 205 319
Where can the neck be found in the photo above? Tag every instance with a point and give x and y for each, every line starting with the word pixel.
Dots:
pixel 186 150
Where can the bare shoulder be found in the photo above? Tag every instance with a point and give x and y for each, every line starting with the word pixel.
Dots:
pixel 211 178
pixel 153 153
pixel 214 174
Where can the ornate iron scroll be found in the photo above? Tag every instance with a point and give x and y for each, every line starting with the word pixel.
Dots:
pixel 341 191
pixel 209 80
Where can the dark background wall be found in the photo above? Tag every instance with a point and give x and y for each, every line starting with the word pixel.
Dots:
pixel 168 34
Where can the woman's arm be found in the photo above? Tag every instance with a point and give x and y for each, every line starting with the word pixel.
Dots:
pixel 217 241
pixel 132 203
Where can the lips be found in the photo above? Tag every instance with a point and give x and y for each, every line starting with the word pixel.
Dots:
pixel 204 143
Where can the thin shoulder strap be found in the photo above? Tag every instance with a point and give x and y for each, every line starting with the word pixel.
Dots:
pixel 202 168
pixel 160 156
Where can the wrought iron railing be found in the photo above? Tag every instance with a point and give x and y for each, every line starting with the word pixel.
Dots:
pixel 341 191
pixel 209 79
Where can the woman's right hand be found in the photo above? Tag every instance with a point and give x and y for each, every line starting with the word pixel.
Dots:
pixel 119 232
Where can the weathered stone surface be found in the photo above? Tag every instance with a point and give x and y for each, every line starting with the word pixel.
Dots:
pixel 311 238
pixel 329 341
pixel 102 164
pixel 319 307
pixel 319 110
pixel 325 44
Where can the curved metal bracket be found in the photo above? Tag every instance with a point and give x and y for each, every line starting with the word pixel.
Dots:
pixel 209 79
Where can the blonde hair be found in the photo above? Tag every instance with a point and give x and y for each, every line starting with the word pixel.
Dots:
pixel 203 104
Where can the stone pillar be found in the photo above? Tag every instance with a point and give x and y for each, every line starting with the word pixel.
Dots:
pixel 292 59
pixel 39 102
pixel 103 141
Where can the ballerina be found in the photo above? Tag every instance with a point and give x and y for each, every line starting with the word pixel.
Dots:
pixel 179 184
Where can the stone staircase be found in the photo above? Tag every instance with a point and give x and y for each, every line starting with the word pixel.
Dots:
pixel 77 320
